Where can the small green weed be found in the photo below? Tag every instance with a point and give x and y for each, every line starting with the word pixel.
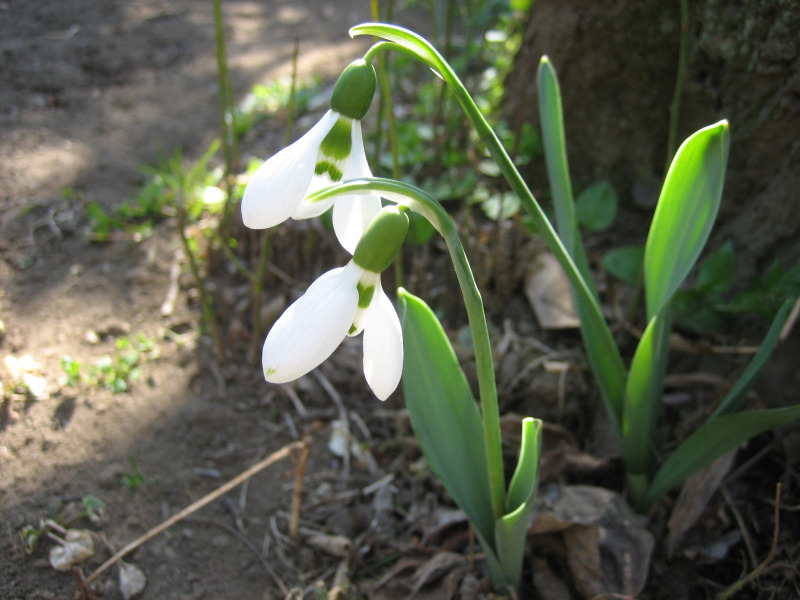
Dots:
pixel 706 306
pixel 134 479
pixel 167 186
pixel 117 372
pixel 273 98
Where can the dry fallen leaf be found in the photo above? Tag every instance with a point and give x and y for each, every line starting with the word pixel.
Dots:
pixel 76 547
pixel 131 580
pixel 548 585
pixel 438 578
pixel 695 494
pixel 548 291
pixel 335 545
pixel 606 544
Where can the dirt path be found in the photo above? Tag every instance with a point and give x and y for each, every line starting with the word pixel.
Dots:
pixel 89 93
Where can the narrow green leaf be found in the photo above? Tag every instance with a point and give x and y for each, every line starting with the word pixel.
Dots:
pixel 523 482
pixel 685 213
pixel 711 441
pixel 643 399
pixel 551 119
pixel 737 393
pixel 444 413
pixel 604 359
pixel 601 351
pixel 511 529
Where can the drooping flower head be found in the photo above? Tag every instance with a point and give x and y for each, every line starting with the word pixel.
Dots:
pixel 344 302
pixel 330 152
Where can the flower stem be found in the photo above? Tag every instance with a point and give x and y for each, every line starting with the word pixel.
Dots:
pixel 611 374
pixel 420 202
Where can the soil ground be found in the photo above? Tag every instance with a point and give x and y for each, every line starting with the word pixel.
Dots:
pixel 89 93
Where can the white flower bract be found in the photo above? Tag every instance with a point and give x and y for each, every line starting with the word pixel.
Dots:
pixel 279 188
pixel 317 322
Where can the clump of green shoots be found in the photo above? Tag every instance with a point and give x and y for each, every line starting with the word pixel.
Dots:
pixel 115 372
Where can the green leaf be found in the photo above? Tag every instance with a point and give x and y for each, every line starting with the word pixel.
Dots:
pixel 625 262
pixel 510 530
pixel 444 413
pixel 711 441
pixel 523 482
pixel 605 357
pixel 685 213
pixel 601 350
pixel 596 206
pixel 551 118
pixel 737 393
pixel 643 394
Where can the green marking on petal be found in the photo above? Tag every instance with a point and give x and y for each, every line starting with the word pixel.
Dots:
pixel 365 295
pixel 337 144
pixel 352 330
pixel 269 372
pixel 331 169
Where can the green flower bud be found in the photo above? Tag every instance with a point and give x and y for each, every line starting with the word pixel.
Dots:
pixel 382 239
pixel 354 90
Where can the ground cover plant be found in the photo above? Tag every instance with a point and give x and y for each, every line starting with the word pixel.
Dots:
pixel 431 492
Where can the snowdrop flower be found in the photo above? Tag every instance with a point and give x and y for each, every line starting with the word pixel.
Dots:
pixel 332 151
pixel 344 302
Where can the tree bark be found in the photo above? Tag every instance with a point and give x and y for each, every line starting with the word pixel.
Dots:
pixel 617 62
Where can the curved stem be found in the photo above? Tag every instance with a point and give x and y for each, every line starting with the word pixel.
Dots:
pixel 420 202
pixel 611 375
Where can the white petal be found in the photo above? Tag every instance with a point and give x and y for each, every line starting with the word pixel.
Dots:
pixel 281 182
pixel 383 346
pixel 308 210
pixel 313 326
pixel 352 213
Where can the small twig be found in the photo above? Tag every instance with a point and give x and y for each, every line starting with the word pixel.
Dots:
pixel 208 498
pixel 258 286
pixel 296 402
pixel 744 467
pixel 168 307
pixel 83 585
pixel 740 521
pixel 231 256
pixel 755 573
pixel 279 537
pixel 300 472
pixel 343 415
pixel 206 301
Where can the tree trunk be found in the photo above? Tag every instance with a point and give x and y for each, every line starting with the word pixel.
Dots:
pixel 617 62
